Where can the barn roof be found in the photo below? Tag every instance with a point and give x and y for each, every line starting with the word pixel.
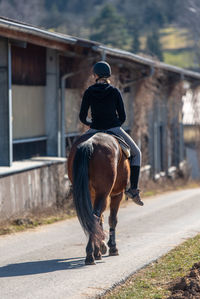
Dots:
pixel 25 32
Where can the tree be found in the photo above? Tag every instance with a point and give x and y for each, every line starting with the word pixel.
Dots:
pixel 136 42
pixel 188 17
pixel 109 27
pixel 31 12
pixel 144 16
pixel 153 46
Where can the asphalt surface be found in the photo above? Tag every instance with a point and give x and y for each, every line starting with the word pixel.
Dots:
pixel 48 262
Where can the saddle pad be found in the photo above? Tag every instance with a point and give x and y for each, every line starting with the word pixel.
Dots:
pixel 124 146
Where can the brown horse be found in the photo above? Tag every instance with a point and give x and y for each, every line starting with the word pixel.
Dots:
pixel 98 169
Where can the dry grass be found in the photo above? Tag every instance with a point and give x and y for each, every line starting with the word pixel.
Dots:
pixel 54 214
pixel 37 218
pixel 152 188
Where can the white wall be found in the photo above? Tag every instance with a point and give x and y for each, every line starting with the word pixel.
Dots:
pixel 28 111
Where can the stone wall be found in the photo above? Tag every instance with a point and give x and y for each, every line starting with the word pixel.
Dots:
pixel 39 188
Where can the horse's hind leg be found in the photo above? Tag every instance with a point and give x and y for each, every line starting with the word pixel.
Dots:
pixel 114 207
pixel 99 207
pixel 103 247
pixel 90 252
pixel 94 246
pixel 100 247
pixel 95 249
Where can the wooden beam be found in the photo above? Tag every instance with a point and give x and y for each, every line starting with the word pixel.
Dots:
pixel 35 39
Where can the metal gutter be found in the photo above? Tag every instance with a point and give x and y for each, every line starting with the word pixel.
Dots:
pixel 146 61
pixel 37 31
pixel 62 148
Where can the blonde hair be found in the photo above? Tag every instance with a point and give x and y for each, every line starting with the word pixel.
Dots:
pixel 106 80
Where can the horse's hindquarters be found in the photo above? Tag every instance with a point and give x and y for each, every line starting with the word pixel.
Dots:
pixel 123 174
pixel 97 169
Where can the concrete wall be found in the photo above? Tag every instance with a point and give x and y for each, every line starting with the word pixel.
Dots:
pixel 28 111
pixel 33 189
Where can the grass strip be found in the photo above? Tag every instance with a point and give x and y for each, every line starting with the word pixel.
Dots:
pixel 154 188
pixel 154 280
pixel 31 222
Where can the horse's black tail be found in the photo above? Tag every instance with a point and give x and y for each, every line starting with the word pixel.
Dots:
pixel 81 193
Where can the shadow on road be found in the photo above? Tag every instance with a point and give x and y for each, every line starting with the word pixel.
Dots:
pixel 31 268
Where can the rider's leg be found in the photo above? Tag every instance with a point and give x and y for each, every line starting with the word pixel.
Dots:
pixel 135 163
pixel 133 191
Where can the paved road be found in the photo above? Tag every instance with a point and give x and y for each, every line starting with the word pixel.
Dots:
pixel 49 262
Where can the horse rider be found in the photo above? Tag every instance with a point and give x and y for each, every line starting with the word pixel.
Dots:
pixel 108 114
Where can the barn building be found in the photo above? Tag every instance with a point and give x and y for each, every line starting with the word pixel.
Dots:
pixel 42 77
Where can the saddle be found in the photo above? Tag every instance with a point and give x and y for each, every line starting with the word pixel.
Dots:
pixel 124 146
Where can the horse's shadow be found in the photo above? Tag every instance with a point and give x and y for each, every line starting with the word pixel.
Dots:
pixel 38 267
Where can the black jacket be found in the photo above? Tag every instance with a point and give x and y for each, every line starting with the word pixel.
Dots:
pixel 107 108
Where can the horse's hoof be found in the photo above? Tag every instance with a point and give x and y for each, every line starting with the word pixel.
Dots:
pixel 98 257
pixel 113 252
pixel 90 261
pixel 103 248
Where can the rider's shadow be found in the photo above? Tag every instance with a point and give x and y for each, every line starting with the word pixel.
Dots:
pixel 38 267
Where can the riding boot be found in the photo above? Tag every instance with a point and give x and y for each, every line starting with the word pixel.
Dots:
pixel 133 191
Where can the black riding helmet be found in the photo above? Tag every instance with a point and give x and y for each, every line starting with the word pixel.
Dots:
pixel 102 69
